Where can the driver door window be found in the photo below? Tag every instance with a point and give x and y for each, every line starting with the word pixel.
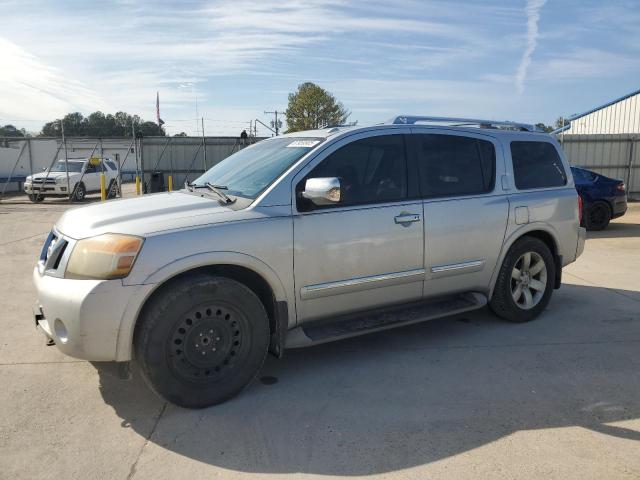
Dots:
pixel 371 170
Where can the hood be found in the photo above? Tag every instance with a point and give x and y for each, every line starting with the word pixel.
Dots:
pixel 52 175
pixel 145 215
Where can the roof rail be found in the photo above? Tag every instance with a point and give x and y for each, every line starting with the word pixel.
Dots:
pixel 464 122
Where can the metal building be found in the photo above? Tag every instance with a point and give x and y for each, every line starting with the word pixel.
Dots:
pixel 606 139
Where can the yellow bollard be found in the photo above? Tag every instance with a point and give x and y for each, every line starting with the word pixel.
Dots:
pixel 103 189
pixel 137 185
pixel 170 178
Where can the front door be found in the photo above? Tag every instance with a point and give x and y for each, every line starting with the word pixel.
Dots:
pixel 366 250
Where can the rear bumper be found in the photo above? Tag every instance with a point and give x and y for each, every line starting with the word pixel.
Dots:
pixel 582 237
pixel 619 207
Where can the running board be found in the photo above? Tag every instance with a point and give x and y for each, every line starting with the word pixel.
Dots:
pixel 382 319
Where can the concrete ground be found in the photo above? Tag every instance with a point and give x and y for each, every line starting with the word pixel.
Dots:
pixel 466 397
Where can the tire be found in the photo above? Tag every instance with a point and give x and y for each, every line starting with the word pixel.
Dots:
pixel 516 305
pixel 597 216
pixel 112 190
pixel 201 340
pixel 36 198
pixel 79 193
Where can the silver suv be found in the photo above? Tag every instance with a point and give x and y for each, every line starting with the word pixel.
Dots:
pixel 307 238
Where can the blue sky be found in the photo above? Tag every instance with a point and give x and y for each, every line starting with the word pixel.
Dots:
pixel 528 60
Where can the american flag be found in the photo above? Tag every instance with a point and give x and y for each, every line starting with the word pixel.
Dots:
pixel 160 121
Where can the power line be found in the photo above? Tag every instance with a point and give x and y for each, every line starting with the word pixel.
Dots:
pixel 276 125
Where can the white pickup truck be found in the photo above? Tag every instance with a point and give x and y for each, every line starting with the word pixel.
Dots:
pixel 84 177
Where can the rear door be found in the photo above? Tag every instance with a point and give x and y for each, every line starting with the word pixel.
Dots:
pixel 91 178
pixel 465 210
pixel 366 250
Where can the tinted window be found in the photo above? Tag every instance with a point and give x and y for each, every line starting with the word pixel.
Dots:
pixel 452 165
pixel 371 170
pixel 537 165
pixel 91 169
pixel 111 165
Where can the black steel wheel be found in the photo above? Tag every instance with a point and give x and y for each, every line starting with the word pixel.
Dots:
pixel 201 339
pixel 36 198
pixel 207 341
pixel 597 216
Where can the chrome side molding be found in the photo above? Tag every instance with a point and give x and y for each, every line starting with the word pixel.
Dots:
pixel 362 283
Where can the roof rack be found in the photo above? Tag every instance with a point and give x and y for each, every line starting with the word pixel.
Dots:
pixel 464 122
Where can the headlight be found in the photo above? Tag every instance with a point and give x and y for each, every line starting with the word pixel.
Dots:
pixel 103 257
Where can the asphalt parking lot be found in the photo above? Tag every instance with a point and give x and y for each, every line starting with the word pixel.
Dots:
pixel 462 397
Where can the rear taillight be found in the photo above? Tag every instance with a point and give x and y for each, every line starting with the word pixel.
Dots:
pixel 580 207
pixel 621 187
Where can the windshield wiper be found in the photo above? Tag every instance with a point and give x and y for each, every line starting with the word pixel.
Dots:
pixel 217 189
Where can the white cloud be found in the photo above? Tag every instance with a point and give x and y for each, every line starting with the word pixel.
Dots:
pixel 29 86
pixel 533 17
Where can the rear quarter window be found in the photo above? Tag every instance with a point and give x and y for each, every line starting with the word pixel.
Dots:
pixel 537 165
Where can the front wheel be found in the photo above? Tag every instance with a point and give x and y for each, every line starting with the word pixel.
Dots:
pixel 79 193
pixel 201 340
pixel 36 198
pixel 525 281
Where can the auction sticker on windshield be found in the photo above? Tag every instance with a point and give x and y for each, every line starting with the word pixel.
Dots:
pixel 303 143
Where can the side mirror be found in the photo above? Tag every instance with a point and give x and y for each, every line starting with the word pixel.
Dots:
pixel 322 191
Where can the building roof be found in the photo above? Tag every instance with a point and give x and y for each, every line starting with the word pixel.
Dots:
pixel 589 112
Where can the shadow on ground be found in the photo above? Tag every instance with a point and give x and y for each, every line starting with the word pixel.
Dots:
pixel 617 230
pixel 411 396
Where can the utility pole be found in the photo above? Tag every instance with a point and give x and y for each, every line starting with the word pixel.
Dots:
pixel 275 123
pixel 204 147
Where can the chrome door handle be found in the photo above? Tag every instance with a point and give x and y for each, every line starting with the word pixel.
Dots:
pixel 406 218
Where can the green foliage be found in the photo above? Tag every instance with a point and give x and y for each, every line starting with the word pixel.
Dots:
pixel 545 128
pixel 313 107
pixel 11 131
pixel 98 124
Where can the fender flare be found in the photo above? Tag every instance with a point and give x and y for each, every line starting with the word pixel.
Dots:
pixel 158 278
pixel 513 238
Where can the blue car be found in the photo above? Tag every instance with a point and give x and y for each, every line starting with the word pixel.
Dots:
pixel 603 198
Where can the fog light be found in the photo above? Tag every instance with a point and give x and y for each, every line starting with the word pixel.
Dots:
pixel 60 330
pixel 64 189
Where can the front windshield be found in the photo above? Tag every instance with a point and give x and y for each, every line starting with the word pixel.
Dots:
pixel 250 171
pixel 73 166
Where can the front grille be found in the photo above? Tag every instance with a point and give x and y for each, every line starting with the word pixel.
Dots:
pixel 52 252
pixel 46 181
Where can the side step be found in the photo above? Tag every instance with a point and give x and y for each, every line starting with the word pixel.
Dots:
pixel 382 319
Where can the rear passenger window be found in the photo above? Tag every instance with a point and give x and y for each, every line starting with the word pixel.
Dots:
pixel 537 165
pixel 453 165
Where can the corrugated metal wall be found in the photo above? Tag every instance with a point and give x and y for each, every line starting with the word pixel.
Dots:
pixel 184 157
pixel 616 156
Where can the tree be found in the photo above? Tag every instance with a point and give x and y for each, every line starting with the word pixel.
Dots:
pixel 313 107
pixel 11 131
pixel 97 124
pixel 545 128
pixel 561 122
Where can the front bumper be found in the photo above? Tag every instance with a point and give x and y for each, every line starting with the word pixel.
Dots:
pixel 46 189
pixel 85 317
